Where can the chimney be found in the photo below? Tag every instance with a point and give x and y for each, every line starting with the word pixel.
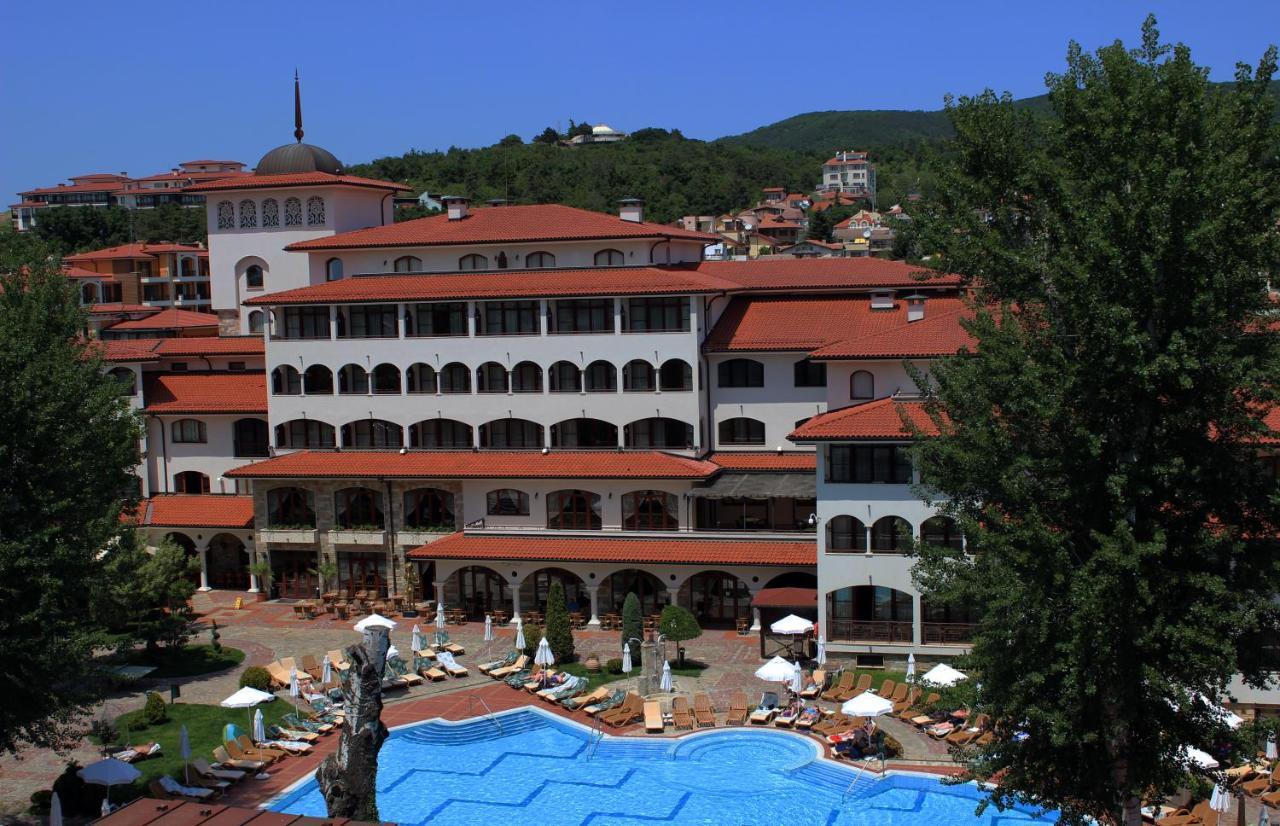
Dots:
pixel 915 308
pixel 456 206
pixel 631 209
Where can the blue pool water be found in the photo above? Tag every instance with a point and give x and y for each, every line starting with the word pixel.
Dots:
pixel 540 770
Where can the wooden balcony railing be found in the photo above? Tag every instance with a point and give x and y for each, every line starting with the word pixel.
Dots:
pixel 870 631
pixel 947 633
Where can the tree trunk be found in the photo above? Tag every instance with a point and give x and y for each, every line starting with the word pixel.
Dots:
pixel 348 777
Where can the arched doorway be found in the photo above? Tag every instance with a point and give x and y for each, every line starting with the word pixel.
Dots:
pixel 228 563
pixel 188 546
pixel 793 579
pixel 647 588
pixel 477 590
pixel 870 613
pixel 716 598
pixel 534 589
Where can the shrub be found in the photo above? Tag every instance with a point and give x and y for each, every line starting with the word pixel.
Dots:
pixel 678 624
pixel 40 802
pixel 559 631
pixel 154 712
pixel 614 665
pixel 632 626
pixel 103 730
pixel 532 635
pixel 215 638
pixel 255 676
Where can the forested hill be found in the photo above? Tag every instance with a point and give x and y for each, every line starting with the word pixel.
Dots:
pixel 675 175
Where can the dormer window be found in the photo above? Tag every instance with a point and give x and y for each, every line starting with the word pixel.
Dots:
pixel 882 301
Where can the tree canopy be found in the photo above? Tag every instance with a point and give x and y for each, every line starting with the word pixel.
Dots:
pixel 1099 444
pixel 70 230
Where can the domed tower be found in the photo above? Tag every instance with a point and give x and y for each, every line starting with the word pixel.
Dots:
pixel 298 157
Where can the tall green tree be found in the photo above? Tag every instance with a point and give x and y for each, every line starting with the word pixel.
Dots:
pixel 632 626
pixel 678 624
pixel 1099 444
pixel 559 632
pixel 68 443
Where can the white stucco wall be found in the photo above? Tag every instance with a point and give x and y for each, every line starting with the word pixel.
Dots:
pixel 213 458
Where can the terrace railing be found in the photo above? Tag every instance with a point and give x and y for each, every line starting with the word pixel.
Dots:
pixel 889 631
pixel 947 633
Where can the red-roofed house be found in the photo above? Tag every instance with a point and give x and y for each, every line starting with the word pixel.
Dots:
pixel 151 275
pixel 849 173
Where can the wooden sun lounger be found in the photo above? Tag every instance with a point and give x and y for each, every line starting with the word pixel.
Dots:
pixel 337 659
pixel 906 701
pixel 1262 785
pixel 737 710
pixel 312 666
pixel 814 688
pixel 703 711
pixel 886 688
pixel 521 663
pixel 830 724
pixel 202 767
pixel 680 712
pixel 631 710
pixel 279 674
pixel 910 713
pixel 1200 815
pixel 837 691
pixel 247 746
pixel 653 716
pixel 598 696
pixel 238 752
pixel 224 759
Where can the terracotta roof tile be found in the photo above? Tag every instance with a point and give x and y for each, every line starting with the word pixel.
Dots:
pixel 939 333
pixel 197 511
pixel 785 598
pixel 543 222
pixel 809 323
pixel 71 271
pixel 150 349
pixel 880 420
pixel 1272 421
pixel 762 461
pixel 132 251
pixel 490 464
pixel 501 284
pixel 126 349
pixel 295 179
pixel 118 307
pixel 170 319
pixel 825 273
pixel 618 549
pixel 205 392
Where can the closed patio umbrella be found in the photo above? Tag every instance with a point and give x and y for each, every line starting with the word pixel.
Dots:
pixel 55 810
pixel 488 627
pixel 440 617
pixel 665 685
pixel 867 704
pixel 797 679
pixel 911 667
pixel 184 746
pixel 626 658
pixel 520 643
pixel 544 657
pixel 1220 801
pixel 417 638
pixel 1271 747
pixel 326 675
pixel 821 659
pixel 294 690
pixel 259 728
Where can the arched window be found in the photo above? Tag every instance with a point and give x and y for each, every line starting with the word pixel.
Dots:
pixel 304 433
pixel 675 375
pixel 318 381
pixel 491 377
pixel 333 269
pixel 600 377
pixel 455 378
pixel 127 379
pixel 248 214
pixel 610 258
pixel 372 433
pixel 638 376
pixel 565 377
pixel 891 534
pixel 315 211
pixel 942 531
pixel 250 437
pixel 256 319
pixel 386 379
pixel 741 373
pixel 574 510
pixel 420 378
pixel 507 502
pixel 290 508
pixel 846 533
pixel 292 212
pixel 659 432
pixel 285 381
pixel 862 386
pixel 407 263
pixel 661 253
pixel 650 510
pixel 473 261
pixel 511 433
pixel 439 434
pixel 271 213
pixel 226 215
pixel 535 260
pixel 358 508
pixel 584 433
pixel 526 377
pixel 352 380
pixel 190 481
pixel 253 277
pixel 742 431
pixel 428 508
pixel 189 431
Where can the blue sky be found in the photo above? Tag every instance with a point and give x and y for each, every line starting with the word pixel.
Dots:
pixel 138 85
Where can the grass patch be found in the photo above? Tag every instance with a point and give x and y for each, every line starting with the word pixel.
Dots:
pixel 188 661
pixel 204 729
pixel 691 668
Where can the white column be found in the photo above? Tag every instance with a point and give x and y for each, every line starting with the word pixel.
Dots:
pixel 866 545
pixel 515 601
pixel 755 617
pixel 204 567
pixel 917 622
pixel 594 622
pixel 253 578
pixel 439 586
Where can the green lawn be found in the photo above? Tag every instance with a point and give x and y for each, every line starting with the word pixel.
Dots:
pixel 188 661
pixel 204 729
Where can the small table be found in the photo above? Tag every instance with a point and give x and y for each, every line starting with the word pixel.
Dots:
pixel 577 620
pixel 534 617
pixel 609 621
pixel 499 617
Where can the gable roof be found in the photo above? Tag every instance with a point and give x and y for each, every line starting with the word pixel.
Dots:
pixel 205 391
pixel 150 349
pixel 825 273
pixel 170 319
pixel 489 464
pixel 616 549
pixel 939 333
pixel 132 251
pixel 509 224
pixel 291 180
pixel 179 510
pixel 765 462
pixel 879 420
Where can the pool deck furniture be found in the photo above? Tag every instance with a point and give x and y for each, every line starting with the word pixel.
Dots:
pixel 507 670
pixel 766 710
pixel 886 688
pixel 1263 785
pixel 224 758
pixel 843 686
pixel 681 714
pixel 813 688
pixel 653 717
pixel 703 711
pixel 737 710
pixel 631 710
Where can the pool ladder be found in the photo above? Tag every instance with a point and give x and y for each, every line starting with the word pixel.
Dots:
pixel 597 734
pixel 848 789
pixel 471 703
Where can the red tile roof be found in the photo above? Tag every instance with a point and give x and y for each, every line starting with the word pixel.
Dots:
pixel 808 323
pixel 878 420
pixel 490 464
pixel 118 307
pixel 785 598
pixel 1272 420
pixel 937 334
pixel 179 510
pixel 150 349
pixel 762 461
pixel 295 179
pixel 170 319
pixel 487 225
pixel 97 185
pixel 825 273
pixel 205 392
pixel 80 272
pixel 125 349
pixel 133 251
pixel 618 549
pixel 502 284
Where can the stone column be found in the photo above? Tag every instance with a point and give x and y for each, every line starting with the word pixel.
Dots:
pixel 253 578
pixel 755 617
pixel 439 586
pixel 594 591
pixel 515 602
pixel 867 541
pixel 204 567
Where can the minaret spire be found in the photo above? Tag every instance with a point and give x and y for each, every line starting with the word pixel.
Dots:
pixel 297 107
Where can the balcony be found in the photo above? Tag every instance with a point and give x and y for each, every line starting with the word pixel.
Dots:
pixel 354 536
pixel 947 633
pixel 875 631
pixel 289 536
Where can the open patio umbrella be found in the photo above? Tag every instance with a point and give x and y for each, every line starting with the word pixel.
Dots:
pixel 867 704
pixel 791 626
pixel 821 659
pixel 911 667
pixel 777 670
pixel 417 638
pixel 665 684
pixel 109 772
pixel 55 810
pixel 259 727
pixel 1200 758
pixel 520 643
pixel 247 697
pixel 543 656
pixel 943 675
pixel 184 746
pixel 626 658
pixel 375 621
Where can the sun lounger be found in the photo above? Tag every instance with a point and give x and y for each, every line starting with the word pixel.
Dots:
pixel 398 667
pixel 224 759
pixel 703 712
pixel 765 710
pixel 507 670
pixel 814 687
pixel 237 752
pixel 653 716
pixel 304 736
pixel 830 724
pixel 1271 798
pixel 450 665
pixel 279 674
pixel 681 714
pixel 598 696
pixel 312 667
pixel 849 724
pixel 631 710
pixel 442 643
pixel 313 726
pixel 1202 814
pixel 167 786
pixel 338 660
pixel 608 704
pixel 886 688
pixel 139 752
pixel 571 686
pixel 202 767
pixel 485 668
pixel 737 710
pixel 290 746
pixel 910 714
pixel 899 694
pixel 427 668
pixel 248 747
pixel 1262 785
pixel 787 717
pixel 809 717
pixel 963 736
pixel 843 686
pixel 907 701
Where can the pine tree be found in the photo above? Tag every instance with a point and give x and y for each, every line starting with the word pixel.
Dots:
pixel 632 626
pixel 559 632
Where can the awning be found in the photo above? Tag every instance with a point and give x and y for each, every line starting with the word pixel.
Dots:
pixel 785 598
pixel 760 486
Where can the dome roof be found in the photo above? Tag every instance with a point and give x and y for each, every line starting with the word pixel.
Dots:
pixel 298 157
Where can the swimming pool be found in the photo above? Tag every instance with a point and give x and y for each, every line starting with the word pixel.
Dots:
pixel 532 767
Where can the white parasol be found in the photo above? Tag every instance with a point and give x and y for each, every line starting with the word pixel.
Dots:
pixel 417 639
pixel 777 670
pixel 520 643
pixel 791 624
pixel 867 704
pixel 911 667
pixel 665 685
pixel 55 810
pixel 797 679
pixel 259 727
pixel 943 675
pixel 375 621
pixel 326 676
pixel 247 697
pixel 626 658
pixel 821 659
pixel 488 628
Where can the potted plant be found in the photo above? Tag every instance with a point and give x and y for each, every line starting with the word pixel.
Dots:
pixel 592 664
pixel 327 571
pixel 262 570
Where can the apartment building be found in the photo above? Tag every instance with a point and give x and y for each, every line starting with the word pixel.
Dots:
pixel 143 275
pixel 849 173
